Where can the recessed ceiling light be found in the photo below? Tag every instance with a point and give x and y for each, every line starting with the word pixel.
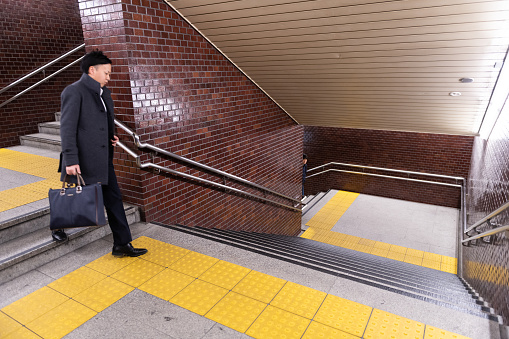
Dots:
pixel 466 80
pixel 455 94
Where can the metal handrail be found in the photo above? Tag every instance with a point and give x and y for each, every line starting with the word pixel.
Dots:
pixel 192 177
pixel 385 169
pixel 40 69
pixel 139 144
pixel 487 233
pixel 488 217
pixel 388 176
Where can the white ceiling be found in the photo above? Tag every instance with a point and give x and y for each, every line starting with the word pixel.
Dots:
pixel 365 63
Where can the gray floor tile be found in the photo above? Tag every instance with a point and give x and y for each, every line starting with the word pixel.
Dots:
pixel 162 315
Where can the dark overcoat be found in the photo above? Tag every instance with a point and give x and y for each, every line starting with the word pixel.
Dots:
pixel 86 129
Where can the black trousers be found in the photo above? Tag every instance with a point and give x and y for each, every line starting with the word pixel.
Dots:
pixel 115 209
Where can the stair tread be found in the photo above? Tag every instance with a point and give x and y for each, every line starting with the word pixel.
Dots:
pixel 44 136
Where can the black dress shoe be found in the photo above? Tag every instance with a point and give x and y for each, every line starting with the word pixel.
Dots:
pixel 127 251
pixel 59 235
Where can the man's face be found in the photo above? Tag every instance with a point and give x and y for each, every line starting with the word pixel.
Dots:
pixel 100 73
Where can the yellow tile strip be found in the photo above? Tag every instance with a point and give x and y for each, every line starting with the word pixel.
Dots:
pixel 324 220
pixel 333 210
pixel 394 252
pixel 247 301
pixel 43 167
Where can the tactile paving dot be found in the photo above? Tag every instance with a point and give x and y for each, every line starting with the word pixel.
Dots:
pixel 386 325
pixel 194 264
pixel 431 264
pixel 61 320
pixel 199 297
pixel 138 272
pixel 224 274
pixel 259 286
pixel 103 294
pixel 166 284
pixel 109 264
pixel 437 333
pixel 34 305
pixel 77 281
pixel 298 299
pixel 236 311
pixel 344 315
pixel 278 324
pixel 317 330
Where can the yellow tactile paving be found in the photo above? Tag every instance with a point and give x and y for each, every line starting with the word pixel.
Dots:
pixel 259 286
pixel 137 273
pixel 394 252
pixel 317 330
pixel 344 315
pixel 8 325
pixel 34 305
pixel 61 320
pixel 167 284
pixel 333 210
pixel 160 252
pixel 387 325
pixel 224 274
pixel 21 333
pixel 103 294
pixel 276 323
pixel 77 281
pixel 109 264
pixel 43 167
pixel 437 333
pixel 236 311
pixel 199 297
pixel 194 264
pixel 298 299
pixel 259 305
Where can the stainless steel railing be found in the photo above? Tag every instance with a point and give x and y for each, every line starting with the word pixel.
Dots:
pixel 156 149
pixel 487 219
pixel 192 177
pixel 40 69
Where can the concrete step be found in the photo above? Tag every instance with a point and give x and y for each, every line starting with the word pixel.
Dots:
pixel 52 127
pixel 307 199
pixel 316 205
pixel 34 249
pixel 42 140
pixel 312 201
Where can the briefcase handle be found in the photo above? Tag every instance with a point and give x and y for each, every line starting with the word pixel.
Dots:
pixel 80 183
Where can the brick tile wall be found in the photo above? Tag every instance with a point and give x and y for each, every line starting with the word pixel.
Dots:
pixel 419 152
pixel 486 266
pixel 179 93
pixel 34 33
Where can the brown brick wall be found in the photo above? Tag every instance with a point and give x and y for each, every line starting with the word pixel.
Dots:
pixel 418 152
pixel 34 33
pixel 486 266
pixel 179 93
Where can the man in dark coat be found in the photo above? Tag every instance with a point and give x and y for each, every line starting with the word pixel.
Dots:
pixel 88 137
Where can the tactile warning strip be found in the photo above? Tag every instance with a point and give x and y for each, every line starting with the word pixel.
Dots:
pixel 247 301
pixel 394 252
pixel 321 224
pixel 39 166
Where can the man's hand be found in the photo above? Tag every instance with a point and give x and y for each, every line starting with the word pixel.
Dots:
pixel 114 141
pixel 72 170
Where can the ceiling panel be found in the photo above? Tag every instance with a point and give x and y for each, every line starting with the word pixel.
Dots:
pixel 365 64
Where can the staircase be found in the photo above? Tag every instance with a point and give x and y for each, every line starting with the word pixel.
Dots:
pixel 436 287
pixel 25 240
